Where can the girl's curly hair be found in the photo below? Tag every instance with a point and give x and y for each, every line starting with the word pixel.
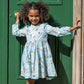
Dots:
pixel 43 10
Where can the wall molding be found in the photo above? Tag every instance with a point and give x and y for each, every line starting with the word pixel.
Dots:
pixel 51 2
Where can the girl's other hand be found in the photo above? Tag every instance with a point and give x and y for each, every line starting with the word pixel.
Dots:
pixel 75 26
pixel 17 15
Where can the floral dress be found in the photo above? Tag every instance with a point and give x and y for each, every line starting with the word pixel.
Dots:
pixel 36 60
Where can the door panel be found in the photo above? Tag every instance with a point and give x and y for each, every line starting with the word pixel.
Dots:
pixel 60 15
pixel 3 41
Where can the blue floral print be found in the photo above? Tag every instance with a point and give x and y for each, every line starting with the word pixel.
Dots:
pixel 36 61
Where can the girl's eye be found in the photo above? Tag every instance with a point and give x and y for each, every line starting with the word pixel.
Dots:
pixel 34 16
pixel 31 15
pixel 37 15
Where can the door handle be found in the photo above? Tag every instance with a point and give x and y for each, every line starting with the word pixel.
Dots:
pixel 10 15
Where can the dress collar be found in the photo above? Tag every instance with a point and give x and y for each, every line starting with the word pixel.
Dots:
pixel 36 25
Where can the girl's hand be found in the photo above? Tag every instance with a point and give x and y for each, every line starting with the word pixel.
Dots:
pixel 75 25
pixel 17 15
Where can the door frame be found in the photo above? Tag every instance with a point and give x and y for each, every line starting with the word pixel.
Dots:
pixel 78 44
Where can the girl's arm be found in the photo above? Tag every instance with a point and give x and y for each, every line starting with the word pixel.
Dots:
pixel 15 27
pixel 56 31
pixel 18 32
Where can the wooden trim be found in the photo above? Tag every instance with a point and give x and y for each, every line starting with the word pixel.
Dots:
pixel 82 71
pixel 78 44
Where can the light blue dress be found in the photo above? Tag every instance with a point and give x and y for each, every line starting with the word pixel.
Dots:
pixel 36 61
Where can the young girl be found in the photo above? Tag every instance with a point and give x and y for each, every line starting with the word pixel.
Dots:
pixel 36 61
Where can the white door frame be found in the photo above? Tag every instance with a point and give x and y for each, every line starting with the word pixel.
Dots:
pixel 78 44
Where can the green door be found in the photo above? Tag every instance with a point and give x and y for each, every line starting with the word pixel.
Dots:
pixel 60 15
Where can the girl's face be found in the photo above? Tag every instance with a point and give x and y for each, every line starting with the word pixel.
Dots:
pixel 34 16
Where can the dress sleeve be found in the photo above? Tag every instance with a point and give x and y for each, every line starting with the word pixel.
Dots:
pixel 18 32
pixel 56 31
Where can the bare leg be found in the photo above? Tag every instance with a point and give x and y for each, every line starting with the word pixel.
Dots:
pixel 32 81
pixel 28 81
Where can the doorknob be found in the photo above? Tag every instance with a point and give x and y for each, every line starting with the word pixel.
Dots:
pixel 10 15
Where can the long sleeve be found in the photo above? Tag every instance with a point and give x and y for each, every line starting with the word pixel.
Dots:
pixel 18 32
pixel 56 31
